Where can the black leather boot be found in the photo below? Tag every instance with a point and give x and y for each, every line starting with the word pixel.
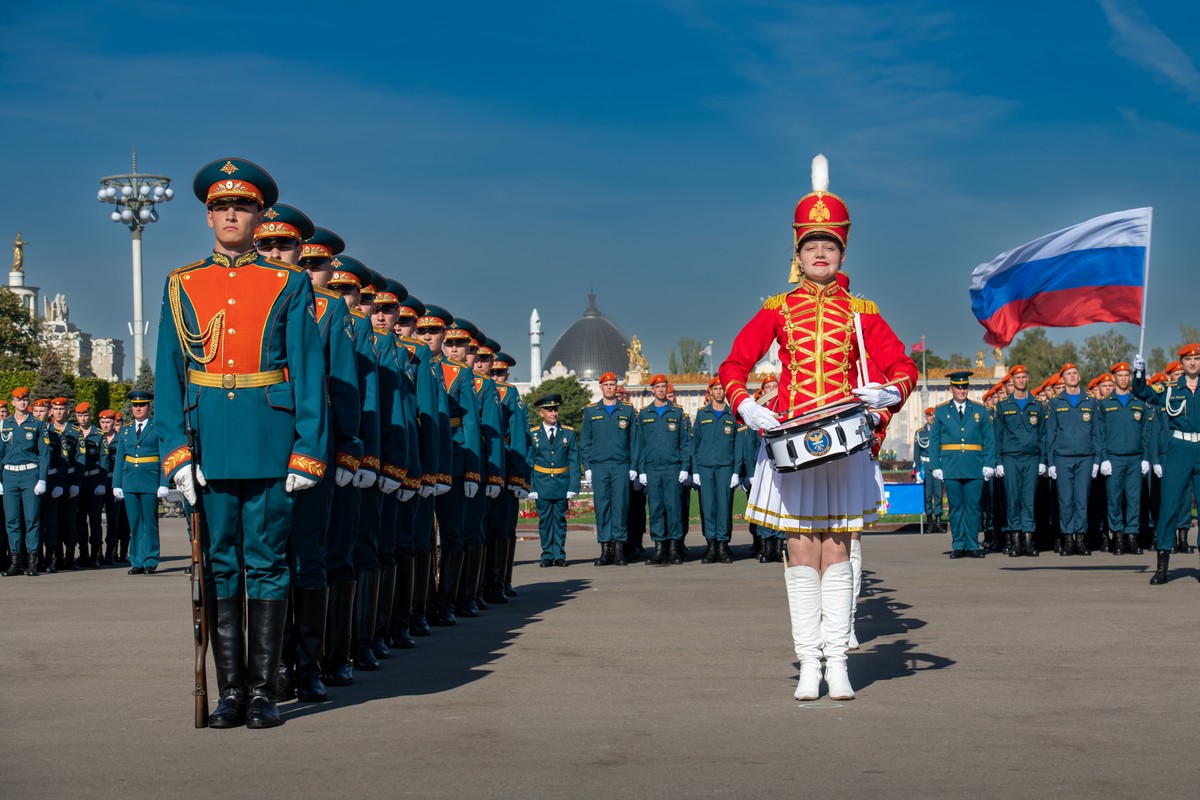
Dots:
pixel 710 553
pixel 31 565
pixel 675 551
pixel 1064 545
pixel 1160 571
pixel 659 556
pixel 366 605
pixel 422 573
pixel 225 629
pixel 493 577
pixel 264 637
pixel 1178 548
pixel 1183 541
pixel 449 574
pixel 1031 548
pixel 606 555
pixel 383 612
pixel 1131 544
pixel 1081 547
pixel 1014 544
pixel 938 527
pixel 339 633
pixel 308 634
pixel 402 606
pixel 724 555
pixel 1118 544
pixel 464 601
pixel 477 578
pixel 508 568
pixel 618 554
pixel 14 567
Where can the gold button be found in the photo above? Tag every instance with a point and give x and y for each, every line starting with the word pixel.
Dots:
pixel 231 395
pixel 232 274
pixel 231 330
pixel 279 274
pixel 232 301
pixel 231 362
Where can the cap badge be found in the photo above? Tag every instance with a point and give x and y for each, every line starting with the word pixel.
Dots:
pixel 271 213
pixel 336 262
pixel 819 212
pixel 229 168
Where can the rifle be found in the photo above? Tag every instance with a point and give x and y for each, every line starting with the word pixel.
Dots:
pixel 199 618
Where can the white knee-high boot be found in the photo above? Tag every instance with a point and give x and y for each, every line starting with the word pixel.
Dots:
pixel 856 568
pixel 804 603
pixel 837 590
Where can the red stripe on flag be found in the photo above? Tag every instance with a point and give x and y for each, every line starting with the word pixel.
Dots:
pixel 1068 308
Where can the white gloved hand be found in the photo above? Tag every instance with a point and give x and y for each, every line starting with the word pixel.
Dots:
pixel 643 480
pixel 1139 363
pixel 73 493
pixel 39 487
pixel 298 483
pixel 406 495
pixel 587 475
pixel 988 472
pixel 757 417
pixel 695 479
pixel 1041 470
pixel 118 494
pixel 161 494
pixel 440 489
pixel 470 488
pixel 1105 468
pixel 937 473
pixel 571 495
pixel 1052 472
pixel 492 491
pixel 99 491
pixel 426 490
pixel 633 475
pixel 1095 469
pixel 876 395
pixel 200 479
pixel 364 478
pixel 1 490
pixel 530 496
pixel 56 492
pixel 184 483
pixel 1145 467
pixel 387 485
pixel 1157 472
pixel 734 480
pixel 342 476
pixel 999 470
pixel 683 476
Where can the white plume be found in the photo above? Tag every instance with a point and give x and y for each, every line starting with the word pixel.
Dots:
pixel 820 174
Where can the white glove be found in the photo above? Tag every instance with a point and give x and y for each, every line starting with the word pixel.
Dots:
pixel 342 476
pixel 683 476
pixel 470 488
pixel 161 494
pixel 988 472
pixel 298 483
pixel 1 490
pixel 1052 472
pixel 99 491
pixel 570 495
pixel 1105 468
pixel 426 490
pixel 531 496
pixel 734 480
pixel 999 470
pixel 1157 473
pixel 364 478
pixel 757 417
pixel 492 491
pixel 56 492
pixel 73 492
pixel 440 488
pixel 200 479
pixel 183 482
pixel 387 485
pixel 39 487
pixel 643 480
pixel 876 395
pixel 937 473
pixel 587 475
pixel 695 479
pixel 1139 363
pixel 1145 467
pixel 524 495
pixel 1041 470
pixel 633 475
pixel 118 494
pixel 406 495
pixel 1095 469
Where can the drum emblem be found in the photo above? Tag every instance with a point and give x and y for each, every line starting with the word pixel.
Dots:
pixel 817 442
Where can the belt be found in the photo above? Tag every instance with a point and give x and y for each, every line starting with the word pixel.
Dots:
pixel 20 467
pixel 89 473
pixel 962 447
pixel 1187 437
pixel 52 471
pixel 551 470
pixel 245 380
pixel 456 422
pixel 924 458
pixel 141 459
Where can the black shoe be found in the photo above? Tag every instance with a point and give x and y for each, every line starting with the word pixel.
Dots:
pixel 14 568
pixel 339 625
pixel 1014 544
pixel 1031 548
pixel 546 562
pixel 958 554
pixel 444 617
pixel 975 553
pixel 675 551
pixel 509 590
pixel 710 553
pixel 420 626
pixel 1081 547
pixel 1131 544
pixel 723 553
pixel 755 545
pixel 606 555
pixel 151 570
pixel 310 688
pixel 339 674
pixel 31 569
pixel 136 571
pixel 1064 545
pixel 560 562
pixel 69 563
pixel 50 566
pixel 262 713
pixel 380 648
pixel 619 559
pixel 366 606
pixel 659 556
pixel 1160 571
pixel 225 632
pixel 229 713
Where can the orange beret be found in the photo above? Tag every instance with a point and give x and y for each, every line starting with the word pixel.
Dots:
pixel 929 410
pixel 59 401
pixel 1054 379
pixel 118 416
pixel 1066 367
pixel 1018 370
pixel 714 382
pixel 1121 366
pixel 1174 366
pixel 1189 350
pixel 108 413
pixel 1158 377
pixel 1093 382
pixel 41 402
pixel 659 378
pixel 608 376
pixel 3 404
pixel 82 407
pixel 769 379
pixel 20 391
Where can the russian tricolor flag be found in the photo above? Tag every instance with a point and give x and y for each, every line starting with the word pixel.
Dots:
pixel 1091 272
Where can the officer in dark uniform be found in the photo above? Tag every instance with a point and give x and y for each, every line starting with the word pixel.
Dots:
pixel 91 484
pixel 1020 446
pixel 962 450
pixel 714 453
pixel 606 443
pixel 1125 443
pixel 139 483
pixel 662 458
pixel 555 480
pixel 502 515
pixel 1073 456
pixel 25 452
pixel 63 495
pixel 934 490
pixel 112 511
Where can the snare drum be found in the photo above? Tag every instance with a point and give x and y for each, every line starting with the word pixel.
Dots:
pixel 817 437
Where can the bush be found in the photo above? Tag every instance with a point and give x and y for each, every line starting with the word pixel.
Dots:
pixel 94 391
pixel 11 380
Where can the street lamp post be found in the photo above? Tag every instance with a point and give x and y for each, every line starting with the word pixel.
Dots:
pixel 136 197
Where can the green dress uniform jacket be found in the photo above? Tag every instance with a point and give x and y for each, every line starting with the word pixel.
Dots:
pixel 138 473
pixel 25 453
pixel 1073 448
pixel 465 452
pixel 934 489
pixel 1178 453
pixel 492 462
pixel 662 449
pixel 606 443
pixel 556 472
pixel 58 507
pixel 1020 448
pixel 1125 444
pixel 961 446
pixel 714 456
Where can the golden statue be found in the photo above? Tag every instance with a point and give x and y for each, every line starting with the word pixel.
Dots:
pixel 979 360
pixel 637 361
pixel 18 253
pixel 999 355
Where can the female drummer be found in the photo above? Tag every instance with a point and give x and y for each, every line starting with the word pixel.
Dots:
pixel 817 326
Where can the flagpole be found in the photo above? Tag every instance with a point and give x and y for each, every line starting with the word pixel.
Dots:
pixel 924 374
pixel 711 371
pixel 1146 284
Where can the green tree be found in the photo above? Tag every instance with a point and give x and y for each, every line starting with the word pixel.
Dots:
pixel 1103 350
pixel 145 378
pixel 932 359
pixel 52 379
pixel 574 397
pixel 959 361
pixel 1156 360
pixel 1039 355
pixel 686 359
pixel 19 346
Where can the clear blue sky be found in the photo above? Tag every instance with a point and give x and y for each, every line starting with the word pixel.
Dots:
pixel 495 157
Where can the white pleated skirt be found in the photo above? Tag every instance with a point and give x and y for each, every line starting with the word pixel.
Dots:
pixel 840 496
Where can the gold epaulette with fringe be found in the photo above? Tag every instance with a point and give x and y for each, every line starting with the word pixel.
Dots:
pixel 776 301
pixel 861 305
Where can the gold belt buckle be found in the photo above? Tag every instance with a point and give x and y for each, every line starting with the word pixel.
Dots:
pixel 228 381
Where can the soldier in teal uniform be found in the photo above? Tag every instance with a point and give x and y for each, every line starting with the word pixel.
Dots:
pixel 112 511
pixel 1177 460
pixel 240 364
pixel 1125 442
pixel 91 484
pixel 25 453
pixel 714 453
pixel 962 450
pixel 662 458
pixel 606 446
pixel 491 424
pixel 1020 447
pixel 934 489
pixel 555 479
pixel 1073 448
pixel 502 514
pixel 139 483
pixel 61 537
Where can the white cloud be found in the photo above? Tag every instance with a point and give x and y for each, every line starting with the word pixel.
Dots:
pixel 1142 42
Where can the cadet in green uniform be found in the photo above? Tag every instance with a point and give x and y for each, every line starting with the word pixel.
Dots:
pixel 64 495
pixel 1020 448
pixel 112 511
pixel 606 443
pixel 555 480
pixel 714 453
pixel 502 515
pixel 962 450
pixel 91 484
pixel 934 489
pixel 25 452
pixel 139 483
pixel 662 458
pixel 1072 458
pixel 1125 443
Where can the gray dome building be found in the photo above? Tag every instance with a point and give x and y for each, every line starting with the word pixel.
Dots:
pixel 592 346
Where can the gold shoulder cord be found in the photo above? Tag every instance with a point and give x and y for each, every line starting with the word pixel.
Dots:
pixel 207 341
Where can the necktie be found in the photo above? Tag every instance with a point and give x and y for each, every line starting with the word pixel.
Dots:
pixel 960 412
pixel 140 425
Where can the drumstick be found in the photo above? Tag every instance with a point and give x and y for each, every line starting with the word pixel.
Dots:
pixel 825 396
pixel 863 379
